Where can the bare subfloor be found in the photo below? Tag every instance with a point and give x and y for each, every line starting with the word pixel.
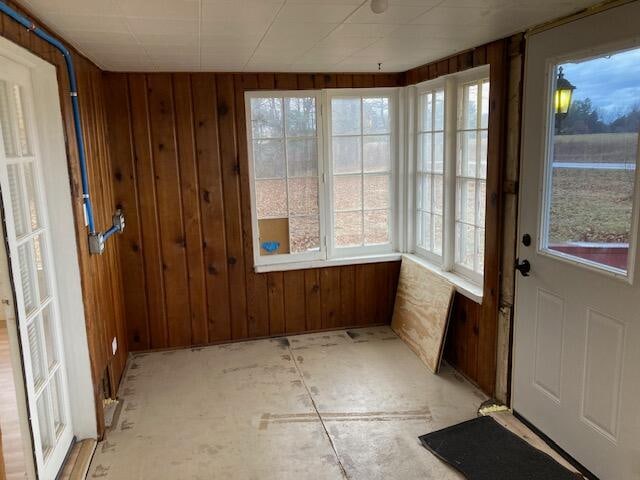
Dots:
pixel 319 406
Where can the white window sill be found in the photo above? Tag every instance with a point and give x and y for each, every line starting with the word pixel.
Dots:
pixel 333 262
pixel 463 285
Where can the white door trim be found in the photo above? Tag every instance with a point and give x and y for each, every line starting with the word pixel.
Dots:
pixel 62 227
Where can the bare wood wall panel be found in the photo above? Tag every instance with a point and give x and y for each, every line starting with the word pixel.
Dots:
pixel 103 296
pixel 180 170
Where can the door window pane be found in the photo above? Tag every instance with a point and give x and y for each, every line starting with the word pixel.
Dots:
pixel 16 192
pixel 27 277
pixel 48 328
pixel 30 182
pixel 6 123
pixel 36 353
pixel 592 164
pixel 57 402
pixel 46 435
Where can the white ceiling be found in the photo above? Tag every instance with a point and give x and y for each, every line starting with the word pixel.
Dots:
pixel 285 35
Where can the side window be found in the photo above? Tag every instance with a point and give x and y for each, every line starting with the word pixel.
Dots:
pixel 284 145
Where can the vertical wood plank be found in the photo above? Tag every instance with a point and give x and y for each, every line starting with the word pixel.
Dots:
pixel 347 296
pixel 256 285
pixel 313 303
pixel 330 296
pixel 145 174
pixel 190 187
pixel 169 209
pixel 294 301
pixel 211 206
pixel 275 282
pixel 232 211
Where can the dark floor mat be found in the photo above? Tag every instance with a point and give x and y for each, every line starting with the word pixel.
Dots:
pixel 481 449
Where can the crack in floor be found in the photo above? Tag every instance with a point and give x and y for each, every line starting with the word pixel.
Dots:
pixel 315 407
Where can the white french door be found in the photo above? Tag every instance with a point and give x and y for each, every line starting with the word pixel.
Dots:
pixel 29 240
pixel 577 318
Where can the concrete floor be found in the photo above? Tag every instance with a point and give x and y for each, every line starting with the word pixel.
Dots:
pixel 318 406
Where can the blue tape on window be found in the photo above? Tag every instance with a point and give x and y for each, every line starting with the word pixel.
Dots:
pixel 270 246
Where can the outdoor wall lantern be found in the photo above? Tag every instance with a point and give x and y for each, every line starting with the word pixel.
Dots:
pixel 564 92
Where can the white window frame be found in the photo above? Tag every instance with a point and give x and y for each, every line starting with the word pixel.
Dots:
pixel 342 252
pixel 446 264
pixel 329 254
pixel 263 260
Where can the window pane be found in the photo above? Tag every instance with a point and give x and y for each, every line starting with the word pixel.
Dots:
pixel 303 196
pixel 271 198
pixel 376 191
pixel 424 152
pixel 266 117
pixel 439 111
pixel 46 436
pixel 485 105
pixel 438 194
pixel 16 192
pixel 347 192
pixel 347 155
pixel 377 153
pixel 482 165
pixel 29 177
pixel 268 158
pixel 438 152
pixel 42 269
pixel 305 234
pixel 23 135
pixel 345 116
pixel 427 182
pixel 57 402
pixel 376 227
pixel 302 157
pixel 467 149
pixel 426 228
pixel 27 277
pixel 348 228
pixel 48 328
pixel 593 162
pixel 465 245
pixel 376 115
pixel 470 106
pixel 35 352
pixel 437 234
pixel 426 112
pixel 6 123
pixel 300 116
pixel 466 201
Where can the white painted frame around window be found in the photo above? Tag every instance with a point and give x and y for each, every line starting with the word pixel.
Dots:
pixel 342 252
pixel 446 262
pixel 328 254
pixel 263 260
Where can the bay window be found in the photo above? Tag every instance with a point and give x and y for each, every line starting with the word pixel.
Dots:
pixel 329 170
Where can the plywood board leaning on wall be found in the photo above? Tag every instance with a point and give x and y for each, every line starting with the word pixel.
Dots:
pixel 422 310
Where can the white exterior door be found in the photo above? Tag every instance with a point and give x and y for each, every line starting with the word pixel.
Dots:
pixel 577 328
pixel 30 247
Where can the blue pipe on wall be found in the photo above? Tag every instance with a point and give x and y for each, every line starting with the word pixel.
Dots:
pixel 30 26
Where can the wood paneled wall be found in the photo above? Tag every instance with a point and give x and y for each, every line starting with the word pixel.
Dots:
pixel 100 275
pixel 180 169
pixel 471 342
pixel 179 153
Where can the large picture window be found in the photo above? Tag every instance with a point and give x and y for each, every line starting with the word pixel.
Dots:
pixel 322 186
